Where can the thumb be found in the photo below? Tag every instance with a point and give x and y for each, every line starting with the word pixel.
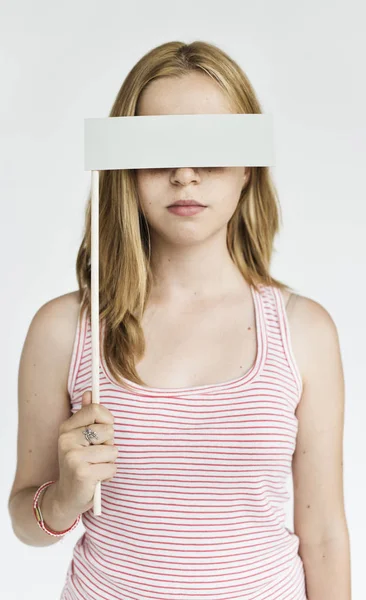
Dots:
pixel 86 398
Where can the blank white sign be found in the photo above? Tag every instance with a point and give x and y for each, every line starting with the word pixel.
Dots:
pixel 163 141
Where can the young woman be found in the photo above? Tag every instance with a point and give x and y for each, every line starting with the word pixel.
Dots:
pixel 215 380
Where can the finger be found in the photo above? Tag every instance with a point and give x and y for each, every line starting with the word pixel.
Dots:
pixel 86 398
pixel 97 455
pixel 103 433
pixel 88 415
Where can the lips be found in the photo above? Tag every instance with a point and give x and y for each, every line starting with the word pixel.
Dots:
pixel 186 203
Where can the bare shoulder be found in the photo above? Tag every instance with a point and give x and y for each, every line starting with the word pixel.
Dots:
pixel 311 327
pixel 64 310
pixel 62 306
pixel 55 322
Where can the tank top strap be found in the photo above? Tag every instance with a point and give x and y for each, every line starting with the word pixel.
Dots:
pixel 280 360
pixel 80 359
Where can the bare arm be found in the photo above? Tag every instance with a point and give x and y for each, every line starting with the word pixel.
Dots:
pixel 319 512
pixel 24 522
pixel 43 404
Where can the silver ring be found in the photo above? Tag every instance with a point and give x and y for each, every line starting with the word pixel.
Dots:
pixel 89 434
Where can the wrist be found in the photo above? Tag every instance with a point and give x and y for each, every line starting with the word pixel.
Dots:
pixel 57 516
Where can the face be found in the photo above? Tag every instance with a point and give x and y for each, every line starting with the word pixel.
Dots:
pixel 218 188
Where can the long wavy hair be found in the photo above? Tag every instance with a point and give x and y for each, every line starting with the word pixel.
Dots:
pixel 125 276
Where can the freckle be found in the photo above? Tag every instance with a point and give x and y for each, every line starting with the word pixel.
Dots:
pixel 308 506
pixel 249 328
pixel 30 451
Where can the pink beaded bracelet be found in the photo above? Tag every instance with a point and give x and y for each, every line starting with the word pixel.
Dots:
pixel 39 517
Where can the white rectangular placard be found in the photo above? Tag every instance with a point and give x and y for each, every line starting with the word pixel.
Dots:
pixel 165 141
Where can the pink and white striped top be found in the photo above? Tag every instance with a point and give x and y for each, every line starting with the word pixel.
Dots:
pixel 196 509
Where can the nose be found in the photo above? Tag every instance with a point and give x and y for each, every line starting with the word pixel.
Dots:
pixel 184 175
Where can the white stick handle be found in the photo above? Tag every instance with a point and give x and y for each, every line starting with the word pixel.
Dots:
pixel 97 507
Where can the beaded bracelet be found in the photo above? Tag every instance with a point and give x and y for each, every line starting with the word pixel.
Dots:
pixel 39 517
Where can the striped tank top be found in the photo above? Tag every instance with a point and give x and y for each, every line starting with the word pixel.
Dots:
pixel 196 508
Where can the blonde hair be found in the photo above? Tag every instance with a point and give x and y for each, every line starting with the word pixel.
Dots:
pixel 125 276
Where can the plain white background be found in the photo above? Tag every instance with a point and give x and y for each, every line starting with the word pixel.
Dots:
pixel 64 62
